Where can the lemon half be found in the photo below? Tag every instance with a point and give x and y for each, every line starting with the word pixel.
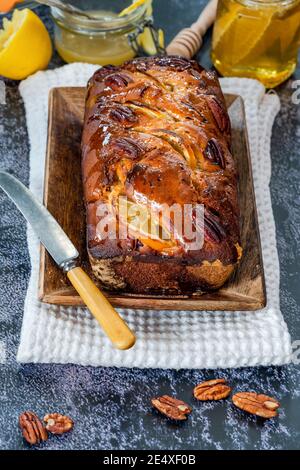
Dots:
pixel 25 45
pixel 7 5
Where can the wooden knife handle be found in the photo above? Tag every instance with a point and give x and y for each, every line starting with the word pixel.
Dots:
pixel 189 40
pixel 111 322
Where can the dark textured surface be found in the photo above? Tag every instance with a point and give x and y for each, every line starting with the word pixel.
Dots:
pixel 110 407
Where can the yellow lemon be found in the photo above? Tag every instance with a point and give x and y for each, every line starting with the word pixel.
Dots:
pixel 7 5
pixel 145 225
pixel 25 45
pixel 146 41
pixel 135 4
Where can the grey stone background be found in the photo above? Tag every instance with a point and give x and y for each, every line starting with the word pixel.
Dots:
pixel 110 406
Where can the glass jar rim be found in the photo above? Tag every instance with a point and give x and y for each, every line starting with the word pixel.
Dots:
pixel 103 24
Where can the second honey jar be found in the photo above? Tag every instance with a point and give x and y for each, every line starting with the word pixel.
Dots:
pixel 257 39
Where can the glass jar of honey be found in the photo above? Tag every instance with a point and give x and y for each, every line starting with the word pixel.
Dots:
pixel 107 38
pixel 257 39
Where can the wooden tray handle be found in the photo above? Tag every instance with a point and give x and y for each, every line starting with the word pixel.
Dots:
pixel 189 40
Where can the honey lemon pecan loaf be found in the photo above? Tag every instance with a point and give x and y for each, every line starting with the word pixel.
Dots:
pixel 157 133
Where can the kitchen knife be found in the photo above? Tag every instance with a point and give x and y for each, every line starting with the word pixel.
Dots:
pixel 64 253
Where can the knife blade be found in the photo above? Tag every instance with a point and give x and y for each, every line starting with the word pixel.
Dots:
pixel 64 253
pixel 46 228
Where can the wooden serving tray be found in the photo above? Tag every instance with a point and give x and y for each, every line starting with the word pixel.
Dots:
pixel 64 199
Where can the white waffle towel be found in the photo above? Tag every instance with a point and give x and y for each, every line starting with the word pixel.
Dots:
pixel 164 339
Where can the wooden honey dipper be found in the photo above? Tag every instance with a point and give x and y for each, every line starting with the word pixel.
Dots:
pixel 189 40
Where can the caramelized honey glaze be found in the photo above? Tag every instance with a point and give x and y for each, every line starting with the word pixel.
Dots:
pixel 157 131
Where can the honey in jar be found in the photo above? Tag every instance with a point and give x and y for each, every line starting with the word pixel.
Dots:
pixel 112 35
pixel 257 39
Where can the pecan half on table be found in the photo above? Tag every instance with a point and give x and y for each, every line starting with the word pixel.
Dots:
pixel 32 428
pixel 215 389
pixel 256 404
pixel 171 407
pixel 57 423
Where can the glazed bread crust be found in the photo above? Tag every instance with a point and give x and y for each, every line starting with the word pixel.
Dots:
pixel 156 130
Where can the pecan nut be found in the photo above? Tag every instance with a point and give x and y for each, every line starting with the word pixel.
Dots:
pixel 219 113
pixel 213 229
pixel 117 80
pixel 123 114
pixel 256 404
pixel 215 389
pixel 57 423
pixel 214 153
pixel 171 407
pixel 32 428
